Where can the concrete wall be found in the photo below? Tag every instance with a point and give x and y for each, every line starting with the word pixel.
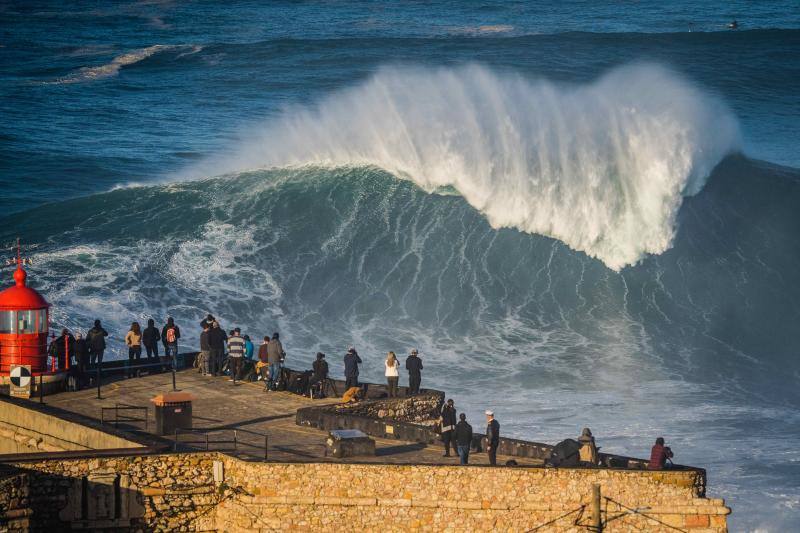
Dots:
pixel 209 491
pixel 25 429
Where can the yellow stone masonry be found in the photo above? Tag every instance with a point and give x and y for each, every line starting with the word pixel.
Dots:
pixel 216 492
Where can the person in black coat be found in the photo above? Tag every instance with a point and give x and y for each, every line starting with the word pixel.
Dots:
pixel 96 339
pixel 216 348
pixel 150 338
pixel 414 367
pixel 492 437
pixel 463 438
pixel 448 424
pixel 82 357
pixel 351 362
pixel 64 344
pixel 320 368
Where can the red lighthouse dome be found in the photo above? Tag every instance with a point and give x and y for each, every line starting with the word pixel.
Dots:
pixel 24 324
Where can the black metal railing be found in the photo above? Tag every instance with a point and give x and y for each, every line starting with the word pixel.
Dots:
pixel 208 443
pixel 123 407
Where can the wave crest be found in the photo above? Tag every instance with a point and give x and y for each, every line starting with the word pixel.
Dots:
pixel 602 167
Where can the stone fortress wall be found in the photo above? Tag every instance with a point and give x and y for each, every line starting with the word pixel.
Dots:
pixel 212 491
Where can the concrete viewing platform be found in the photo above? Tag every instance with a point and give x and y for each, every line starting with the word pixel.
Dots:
pixel 221 408
pixel 65 464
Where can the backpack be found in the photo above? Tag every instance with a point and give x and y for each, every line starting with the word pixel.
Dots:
pixel 171 339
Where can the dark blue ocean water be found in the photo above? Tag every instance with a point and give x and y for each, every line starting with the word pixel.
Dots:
pixel 587 211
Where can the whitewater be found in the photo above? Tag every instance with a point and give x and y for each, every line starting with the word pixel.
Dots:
pixel 602 167
pixel 581 216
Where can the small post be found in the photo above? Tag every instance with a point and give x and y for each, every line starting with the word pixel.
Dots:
pixel 174 386
pixel 175 447
pixel 98 380
pixel 597 524
pixel 234 440
pixel 41 390
pixel 266 447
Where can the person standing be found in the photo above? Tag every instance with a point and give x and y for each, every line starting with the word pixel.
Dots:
pixel 134 342
pixel 492 437
pixel 659 454
pixel 262 366
pixel 205 350
pixel 216 348
pixel 82 356
pixel 275 357
pixel 248 348
pixel 235 353
pixel 392 373
pixel 64 344
pixel 448 424
pixel 463 438
pixel 170 334
pixel 351 362
pixel 414 367
pixel 96 339
pixel 150 338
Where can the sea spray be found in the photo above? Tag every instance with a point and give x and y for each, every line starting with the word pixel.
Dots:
pixel 602 167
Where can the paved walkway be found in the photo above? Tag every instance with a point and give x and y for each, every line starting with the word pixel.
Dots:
pixel 249 411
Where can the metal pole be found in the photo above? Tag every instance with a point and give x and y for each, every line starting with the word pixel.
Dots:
pixel 174 387
pixel 175 447
pixel 597 524
pixel 266 447
pixel 41 390
pixel 234 440
pixel 98 380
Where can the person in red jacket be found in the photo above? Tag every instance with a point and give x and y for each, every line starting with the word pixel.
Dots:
pixel 659 455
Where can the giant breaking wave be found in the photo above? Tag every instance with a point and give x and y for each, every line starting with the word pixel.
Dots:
pixel 602 167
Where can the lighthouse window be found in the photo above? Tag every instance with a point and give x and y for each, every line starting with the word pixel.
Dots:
pixel 7 321
pixel 26 321
pixel 42 318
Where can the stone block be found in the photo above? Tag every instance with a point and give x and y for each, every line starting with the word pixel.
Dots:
pixel 349 443
pixel 693 521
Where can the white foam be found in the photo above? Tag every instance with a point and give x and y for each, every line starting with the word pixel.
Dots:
pixel 129 58
pixel 602 167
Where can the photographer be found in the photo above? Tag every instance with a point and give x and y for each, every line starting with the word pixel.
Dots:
pixel 659 455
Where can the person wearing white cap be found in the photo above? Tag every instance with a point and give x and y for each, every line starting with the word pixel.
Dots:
pixel 492 437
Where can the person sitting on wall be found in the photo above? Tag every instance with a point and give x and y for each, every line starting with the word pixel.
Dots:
pixel 659 455
pixel 351 395
pixel 588 451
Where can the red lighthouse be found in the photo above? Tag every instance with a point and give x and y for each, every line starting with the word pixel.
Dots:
pixel 24 324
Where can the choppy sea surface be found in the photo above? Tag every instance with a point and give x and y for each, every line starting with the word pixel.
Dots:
pixel 582 215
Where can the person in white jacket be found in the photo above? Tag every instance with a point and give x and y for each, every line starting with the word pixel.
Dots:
pixel 392 373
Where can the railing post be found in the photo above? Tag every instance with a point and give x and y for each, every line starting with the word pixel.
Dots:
pixel 266 447
pixel 98 380
pixel 174 387
pixel 41 389
pixel 175 447
pixel 597 524
pixel 234 440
